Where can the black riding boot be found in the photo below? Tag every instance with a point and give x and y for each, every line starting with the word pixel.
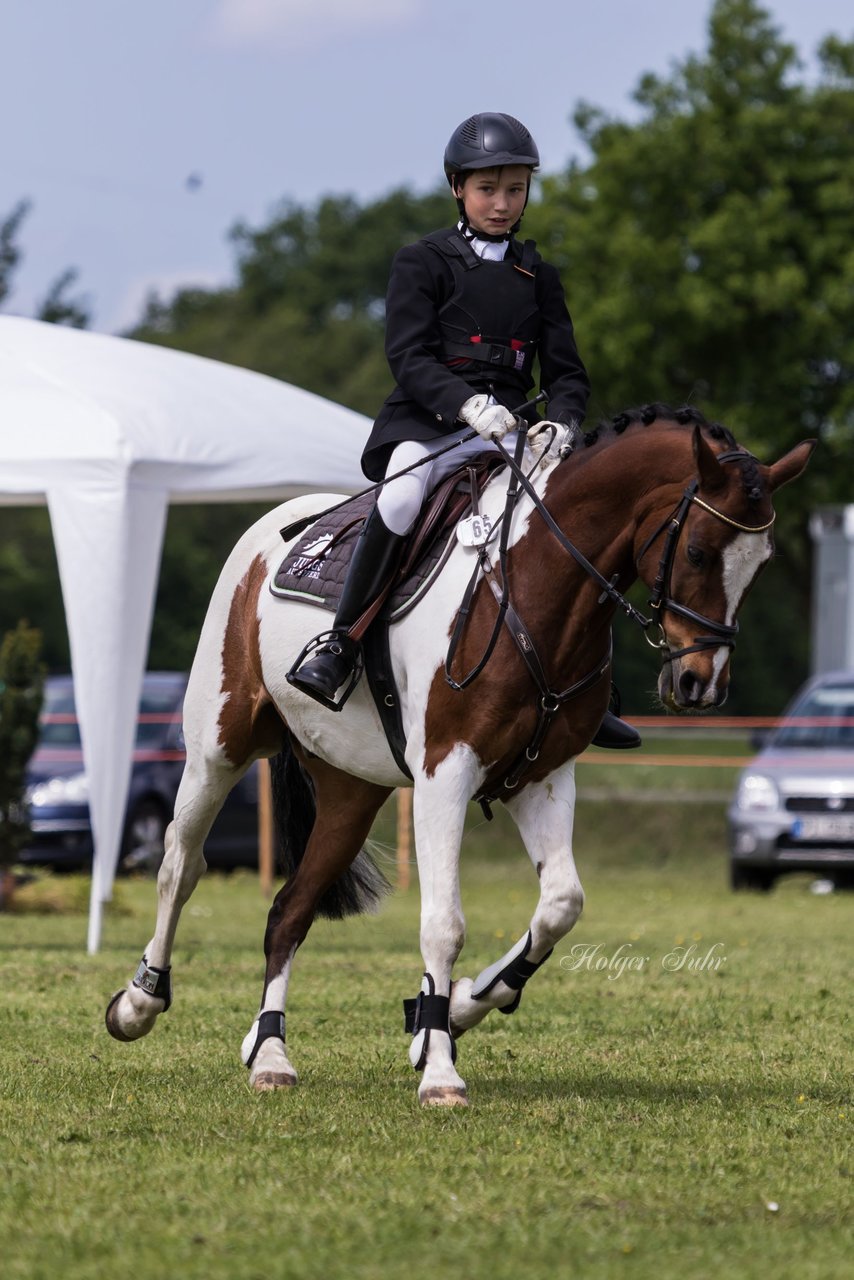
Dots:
pixel 376 550
pixel 614 732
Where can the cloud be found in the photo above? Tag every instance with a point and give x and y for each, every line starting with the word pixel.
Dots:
pixel 292 24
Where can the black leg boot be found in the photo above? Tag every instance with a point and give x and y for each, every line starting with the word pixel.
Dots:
pixel 614 732
pixel 322 674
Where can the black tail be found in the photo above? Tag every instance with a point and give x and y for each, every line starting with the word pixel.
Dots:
pixel 363 886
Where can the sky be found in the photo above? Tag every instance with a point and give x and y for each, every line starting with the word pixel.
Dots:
pixel 143 132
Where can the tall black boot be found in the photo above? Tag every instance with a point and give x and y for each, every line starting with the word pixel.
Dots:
pixel 614 732
pixel 321 675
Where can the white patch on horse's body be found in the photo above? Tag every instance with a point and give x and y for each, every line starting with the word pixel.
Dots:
pixel 418 651
pixel 543 812
pixel 742 559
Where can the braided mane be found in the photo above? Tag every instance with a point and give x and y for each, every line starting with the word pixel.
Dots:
pixel 687 416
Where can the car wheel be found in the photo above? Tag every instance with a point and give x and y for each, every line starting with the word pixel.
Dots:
pixel 751 878
pixel 145 833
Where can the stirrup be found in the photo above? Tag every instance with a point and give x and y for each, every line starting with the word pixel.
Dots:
pixel 319 642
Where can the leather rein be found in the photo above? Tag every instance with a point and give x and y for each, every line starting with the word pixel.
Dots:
pixel 661 601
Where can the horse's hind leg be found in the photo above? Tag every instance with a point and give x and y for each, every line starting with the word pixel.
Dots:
pixel 204 787
pixel 543 812
pixel 345 809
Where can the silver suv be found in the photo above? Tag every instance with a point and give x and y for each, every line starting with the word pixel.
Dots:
pixel 793 808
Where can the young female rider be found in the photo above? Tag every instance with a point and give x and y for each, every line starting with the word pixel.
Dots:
pixel 467 311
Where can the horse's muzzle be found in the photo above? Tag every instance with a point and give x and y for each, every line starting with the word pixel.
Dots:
pixel 692 686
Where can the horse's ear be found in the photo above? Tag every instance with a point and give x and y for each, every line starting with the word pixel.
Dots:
pixel 711 473
pixel 790 465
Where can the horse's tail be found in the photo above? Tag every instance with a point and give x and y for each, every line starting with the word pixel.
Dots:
pixel 363 886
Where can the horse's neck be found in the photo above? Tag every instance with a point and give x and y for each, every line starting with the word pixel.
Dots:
pixel 600 500
pixel 612 490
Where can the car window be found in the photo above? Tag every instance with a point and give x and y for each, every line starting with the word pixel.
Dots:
pixel 823 718
pixel 58 719
pixel 159 713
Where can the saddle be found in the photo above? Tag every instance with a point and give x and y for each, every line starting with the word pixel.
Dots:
pixel 314 570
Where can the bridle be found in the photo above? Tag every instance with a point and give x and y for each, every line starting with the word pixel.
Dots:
pixel 550 701
pixel 661 601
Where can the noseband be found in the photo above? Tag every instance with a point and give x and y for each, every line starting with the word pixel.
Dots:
pixel 720 633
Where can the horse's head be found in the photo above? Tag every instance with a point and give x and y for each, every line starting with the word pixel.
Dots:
pixel 709 551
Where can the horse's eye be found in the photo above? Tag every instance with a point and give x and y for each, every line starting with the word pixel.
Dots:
pixel 695 555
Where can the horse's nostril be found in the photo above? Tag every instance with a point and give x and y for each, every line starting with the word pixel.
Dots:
pixel 690 688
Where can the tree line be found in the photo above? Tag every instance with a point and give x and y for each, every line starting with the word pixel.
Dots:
pixel 707 250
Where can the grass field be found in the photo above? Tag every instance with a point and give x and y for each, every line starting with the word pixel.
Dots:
pixel 688 1114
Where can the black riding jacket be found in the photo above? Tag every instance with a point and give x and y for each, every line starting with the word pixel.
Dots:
pixel 458 325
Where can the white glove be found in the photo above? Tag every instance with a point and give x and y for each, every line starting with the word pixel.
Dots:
pixel 490 421
pixel 557 442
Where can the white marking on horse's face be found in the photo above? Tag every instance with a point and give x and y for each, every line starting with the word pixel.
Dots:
pixel 742 560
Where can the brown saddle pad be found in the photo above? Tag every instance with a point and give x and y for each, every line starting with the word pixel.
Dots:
pixel 314 569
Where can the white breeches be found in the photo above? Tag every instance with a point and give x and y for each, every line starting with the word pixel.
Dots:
pixel 400 500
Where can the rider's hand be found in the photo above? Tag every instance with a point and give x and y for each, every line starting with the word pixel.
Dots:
pixel 490 421
pixel 555 439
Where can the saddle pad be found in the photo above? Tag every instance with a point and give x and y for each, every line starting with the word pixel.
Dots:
pixel 314 569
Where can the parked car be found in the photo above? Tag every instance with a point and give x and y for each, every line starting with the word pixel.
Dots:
pixel 58 789
pixel 793 808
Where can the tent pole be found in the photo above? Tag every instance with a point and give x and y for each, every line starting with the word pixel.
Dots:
pixel 96 911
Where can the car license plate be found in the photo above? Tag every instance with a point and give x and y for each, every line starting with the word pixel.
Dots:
pixel 824 827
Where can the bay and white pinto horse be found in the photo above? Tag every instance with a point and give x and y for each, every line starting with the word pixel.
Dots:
pixel 658 494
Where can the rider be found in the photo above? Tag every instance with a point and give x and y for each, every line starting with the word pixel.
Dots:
pixel 467 311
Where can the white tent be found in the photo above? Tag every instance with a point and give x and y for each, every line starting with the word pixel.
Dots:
pixel 108 432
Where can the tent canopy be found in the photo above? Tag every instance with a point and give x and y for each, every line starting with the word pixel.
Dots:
pixel 108 432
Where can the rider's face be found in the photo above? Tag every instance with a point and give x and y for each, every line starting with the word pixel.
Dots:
pixel 494 199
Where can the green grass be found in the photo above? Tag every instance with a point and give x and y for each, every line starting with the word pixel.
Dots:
pixel 636 1125
pixel 696 766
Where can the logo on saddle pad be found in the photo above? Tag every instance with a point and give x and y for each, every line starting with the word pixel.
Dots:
pixel 307 564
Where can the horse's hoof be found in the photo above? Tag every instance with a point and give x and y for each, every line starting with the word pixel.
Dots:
pixel 443 1096
pixel 267 1080
pixel 112 1021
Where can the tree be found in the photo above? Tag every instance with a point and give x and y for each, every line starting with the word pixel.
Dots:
pixel 56 307
pixel 709 248
pixel 10 253
pixel 709 254
pixel 308 304
pixel 21 692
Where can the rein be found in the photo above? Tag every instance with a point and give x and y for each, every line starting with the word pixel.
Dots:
pixel 660 601
pixel 720 633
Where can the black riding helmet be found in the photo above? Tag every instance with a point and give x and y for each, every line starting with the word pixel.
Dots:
pixel 488 140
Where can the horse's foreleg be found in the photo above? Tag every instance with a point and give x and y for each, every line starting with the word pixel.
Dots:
pixel 346 808
pixel 439 808
pixel 543 813
pixel 132 1013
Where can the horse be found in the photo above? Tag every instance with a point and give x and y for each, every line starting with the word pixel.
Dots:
pixel 659 494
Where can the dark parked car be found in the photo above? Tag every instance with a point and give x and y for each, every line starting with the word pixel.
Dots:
pixel 58 789
pixel 793 809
